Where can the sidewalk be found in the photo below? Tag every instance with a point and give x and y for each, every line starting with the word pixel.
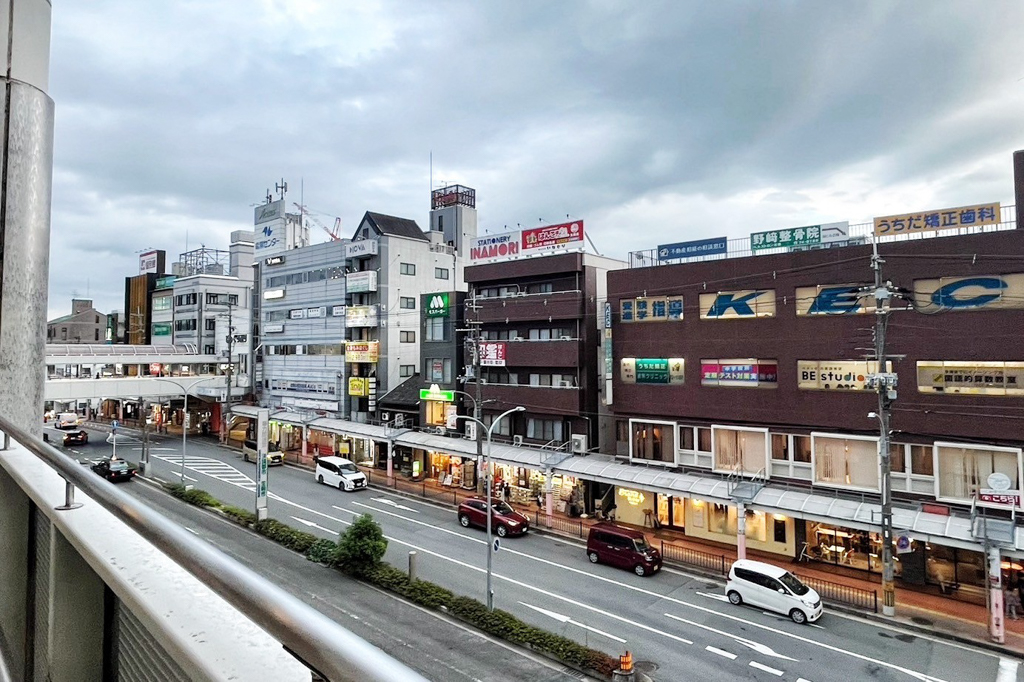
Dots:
pixel 917 611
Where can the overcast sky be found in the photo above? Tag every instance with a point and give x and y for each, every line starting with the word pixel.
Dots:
pixel 654 122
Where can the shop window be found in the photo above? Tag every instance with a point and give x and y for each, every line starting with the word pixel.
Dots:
pixel 744 450
pixel 964 469
pixel 653 441
pixel 718 519
pixel 703 439
pixel 846 462
pixel 436 412
pixel 757 522
pixel 779 529
pixel 921 460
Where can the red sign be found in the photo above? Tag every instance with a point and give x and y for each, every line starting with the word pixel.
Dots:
pixel 492 354
pixel 1008 497
pixel 553 235
pixel 154 368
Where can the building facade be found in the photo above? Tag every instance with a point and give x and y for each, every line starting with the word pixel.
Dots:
pixel 85 324
pixel 161 308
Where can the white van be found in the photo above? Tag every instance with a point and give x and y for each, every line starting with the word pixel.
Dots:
pixel 773 588
pixel 340 473
pixel 67 420
pixel 250 453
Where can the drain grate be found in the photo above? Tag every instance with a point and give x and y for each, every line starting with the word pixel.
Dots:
pixel 575 674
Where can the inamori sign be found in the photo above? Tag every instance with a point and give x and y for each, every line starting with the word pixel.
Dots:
pixel 495 247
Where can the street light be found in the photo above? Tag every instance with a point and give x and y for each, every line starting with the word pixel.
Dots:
pixel 487 488
pixel 184 417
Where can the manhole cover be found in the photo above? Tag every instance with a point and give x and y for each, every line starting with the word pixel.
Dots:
pixel 921 621
pixel 645 666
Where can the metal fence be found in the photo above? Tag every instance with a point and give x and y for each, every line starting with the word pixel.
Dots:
pixel 718 563
pixel 558 523
pixel 846 595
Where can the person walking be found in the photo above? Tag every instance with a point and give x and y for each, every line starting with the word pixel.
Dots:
pixel 1011 600
pixel 506 491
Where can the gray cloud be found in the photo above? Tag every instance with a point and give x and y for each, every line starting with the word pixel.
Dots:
pixel 688 119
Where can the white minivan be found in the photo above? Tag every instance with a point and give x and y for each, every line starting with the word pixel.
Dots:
pixel 773 588
pixel 340 473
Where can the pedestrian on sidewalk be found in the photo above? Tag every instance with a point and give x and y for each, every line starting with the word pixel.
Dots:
pixel 1011 600
pixel 506 491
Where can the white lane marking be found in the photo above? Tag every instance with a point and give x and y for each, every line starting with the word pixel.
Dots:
pixel 716 597
pixel 1007 670
pixel 720 652
pixel 762 666
pixel 392 503
pixel 429 505
pixel 762 649
pixel 214 469
pixel 190 530
pixel 314 525
pixel 800 679
pixel 566 619
pixel 779 616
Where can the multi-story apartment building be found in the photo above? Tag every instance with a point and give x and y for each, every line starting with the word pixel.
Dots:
pixel 161 307
pixel 539 344
pixel 85 324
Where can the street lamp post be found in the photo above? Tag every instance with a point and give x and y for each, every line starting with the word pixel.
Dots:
pixel 487 489
pixel 477 404
pixel 184 416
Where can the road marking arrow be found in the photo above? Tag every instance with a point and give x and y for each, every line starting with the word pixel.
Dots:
pixel 716 597
pixel 392 503
pixel 561 618
pixel 763 649
pixel 313 525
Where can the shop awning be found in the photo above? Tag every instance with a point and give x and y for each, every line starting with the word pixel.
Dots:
pixel 506 454
pixel 251 411
pixel 349 428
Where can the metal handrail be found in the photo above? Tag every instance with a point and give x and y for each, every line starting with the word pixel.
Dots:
pixel 333 651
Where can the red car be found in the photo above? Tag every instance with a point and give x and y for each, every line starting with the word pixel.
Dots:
pixel 504 519
pixel 76 438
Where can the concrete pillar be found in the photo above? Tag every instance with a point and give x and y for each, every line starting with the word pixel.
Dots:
pixel 741 531
pixel 305 442
pixel 997 624
pixel 26 173
pixel 390 448
pixel 549 498
pixel 75 628
pixel 15 509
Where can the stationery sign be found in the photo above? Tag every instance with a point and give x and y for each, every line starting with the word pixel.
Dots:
pixel 702 247
pixel 943 219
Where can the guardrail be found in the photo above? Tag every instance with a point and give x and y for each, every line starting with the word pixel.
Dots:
pixel 332 651
pixel 569 526
pixel 718 563
pixel 838 593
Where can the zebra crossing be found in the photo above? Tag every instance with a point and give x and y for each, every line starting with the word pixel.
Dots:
pixel 214 468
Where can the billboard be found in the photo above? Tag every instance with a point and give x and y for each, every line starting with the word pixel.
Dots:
pixel 362 351
pixel 361 282
pixel 495 247
pixel 976 292
pixel 437 305
pixel 264 213
pixel 149 262
pixel 702 247
pixel 492 353
pixel 797 237
pixel 743 372
pixel 732 305
pixel 652 370
pixel 361 316
pixel 942 219
pixel 357 386
pixel 563 234
pixel 363 247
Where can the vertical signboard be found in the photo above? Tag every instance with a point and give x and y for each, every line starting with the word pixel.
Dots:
pixel 262 438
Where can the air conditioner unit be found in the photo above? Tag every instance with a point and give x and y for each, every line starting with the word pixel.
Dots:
pixel 565 338
pixel 517 440
pixel 579 443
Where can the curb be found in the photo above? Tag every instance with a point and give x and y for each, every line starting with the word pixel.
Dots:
pixel 866 615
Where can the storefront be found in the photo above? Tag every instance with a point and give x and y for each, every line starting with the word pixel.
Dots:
pixel 671 511
pixel 716 521
pixel 452 470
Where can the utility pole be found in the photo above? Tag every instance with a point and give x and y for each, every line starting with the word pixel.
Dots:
pixel 227 397
pixel 477 406
pixel 884 383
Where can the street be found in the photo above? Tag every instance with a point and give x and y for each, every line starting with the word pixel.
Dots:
pixel 678 626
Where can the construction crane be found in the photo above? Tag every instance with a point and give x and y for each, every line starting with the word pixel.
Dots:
pixel 334 234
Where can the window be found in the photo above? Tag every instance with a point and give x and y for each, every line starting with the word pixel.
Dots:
pixel 97 334
pixel 438 370
pixel 407 302
pixel 208 350
pixel 497 376
pixel 440 223
pixel 846 462
pixel 185 325
pixel 703 439
pixel 897 458
pixel 162 302
pixel 504 427
pixel 295 278
pixel 407 268
pixel 406 371
pixel 542 288
pixel 63 333
pixel 440 273
pixel 653 441
pixel 544 429
pixel 186 299
pixel 802 449
pixel 964 469
pixel 435 328
pixel 407 337
pixel 743 450
pixel 499 335
pixel 780 446
pixel 210 324
pixel 275 315
pixel 921 462
pixel 779 529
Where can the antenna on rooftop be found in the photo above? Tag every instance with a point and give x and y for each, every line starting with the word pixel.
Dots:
pixel 281 188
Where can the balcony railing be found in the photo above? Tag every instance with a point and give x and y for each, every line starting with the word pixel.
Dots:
pixel 278 635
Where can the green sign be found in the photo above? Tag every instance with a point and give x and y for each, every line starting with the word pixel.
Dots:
pixel 165 282
pixel 788 238
pixel 437 305
pixel 651 371
pixel 161 329
pixel 431 394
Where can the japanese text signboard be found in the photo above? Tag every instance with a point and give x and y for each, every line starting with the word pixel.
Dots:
pixel 262 447
pixel 553 235
pixel 652 370
pixel 943 219
pixel 794 237
pixel 702 247
pixel 492 354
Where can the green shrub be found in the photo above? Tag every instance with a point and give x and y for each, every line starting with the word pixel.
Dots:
pixel 200 498
pixel 361 547
pixel 285 535
pixel 176 489
pixel 242 517
pixel 322 552
pixel 389 578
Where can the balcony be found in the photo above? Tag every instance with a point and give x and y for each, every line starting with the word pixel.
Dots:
pixel 95 579
pixel 558 353
pixel 541 399
pixel 558 305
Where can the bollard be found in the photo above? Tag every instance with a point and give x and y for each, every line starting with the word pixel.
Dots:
pixel 625 673
pixel 412 566
pixel 69 497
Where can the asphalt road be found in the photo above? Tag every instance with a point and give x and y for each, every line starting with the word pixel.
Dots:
pixel 678 626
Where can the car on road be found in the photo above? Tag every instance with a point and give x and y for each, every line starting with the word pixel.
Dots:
pixel 773 588
pixel 340 473
pixel 114 469
pixel 79 437
pixel 68 420
pixel 622 547
pixel 250 452
pixel 504 519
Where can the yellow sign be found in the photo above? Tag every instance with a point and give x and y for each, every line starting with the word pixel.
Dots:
pixel 357 386
pixel 634 497
pixel 970 377
pixel 362 351
pixel 944 219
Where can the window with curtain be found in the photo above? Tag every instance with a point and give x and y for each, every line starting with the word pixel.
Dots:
pixel 653 442
pixel 846 462
pixel 965 470
pixel 737 449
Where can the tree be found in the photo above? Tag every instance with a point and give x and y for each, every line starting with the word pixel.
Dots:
pixel 361 547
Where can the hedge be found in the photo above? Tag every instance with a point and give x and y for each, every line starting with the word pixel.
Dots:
pixel 498 623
